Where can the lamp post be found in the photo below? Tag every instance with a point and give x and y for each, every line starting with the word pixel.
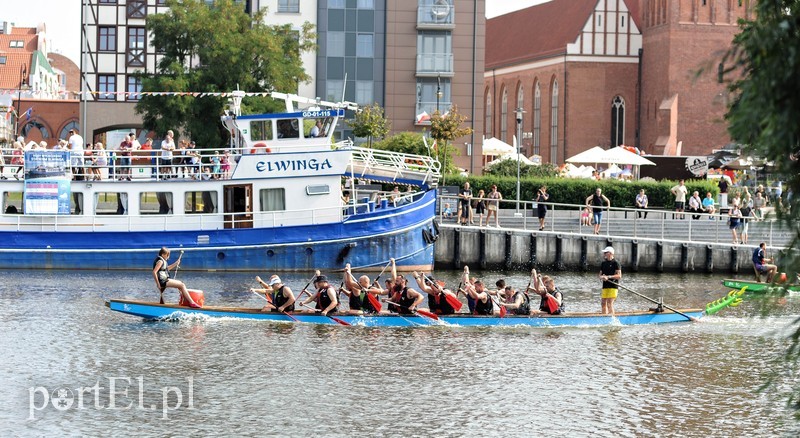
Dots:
pixel 519 112
pixel 23 71
pixel 439 95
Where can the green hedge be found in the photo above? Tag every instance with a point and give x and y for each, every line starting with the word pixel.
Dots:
pixel 575 191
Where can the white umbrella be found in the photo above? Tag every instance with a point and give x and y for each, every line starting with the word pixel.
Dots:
pixel 511 157
pixel 611 171
pixel 590 156
pixel 619 155
pixel 494 146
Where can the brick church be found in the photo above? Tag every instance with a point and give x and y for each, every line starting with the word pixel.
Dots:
pixel 641 73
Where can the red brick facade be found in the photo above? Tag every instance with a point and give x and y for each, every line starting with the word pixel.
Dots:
pixel 50 119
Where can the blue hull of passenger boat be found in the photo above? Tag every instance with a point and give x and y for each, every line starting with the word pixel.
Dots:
pixel 154 311
pixel 366 240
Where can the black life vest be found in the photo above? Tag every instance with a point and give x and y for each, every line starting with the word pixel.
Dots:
pixel 324 299
pixel 525 307
pixel 486 308
pixel 545 308
pixel 438 304
pixel 279 299
pixel 404 301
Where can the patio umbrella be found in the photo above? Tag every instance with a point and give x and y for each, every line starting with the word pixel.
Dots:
pixel 493 146
pixel 588 156
pixel 512 157
pixel 620 155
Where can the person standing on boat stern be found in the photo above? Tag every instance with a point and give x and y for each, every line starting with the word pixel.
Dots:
pixel 437 294
pixel 282 297
pixel 610 274
pixel 161 268
pixel 359 293
pixel 325 296
pixel 596 202
pixel 763 264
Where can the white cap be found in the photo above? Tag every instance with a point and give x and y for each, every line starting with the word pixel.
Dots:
pixel 274 280
pixel 608 249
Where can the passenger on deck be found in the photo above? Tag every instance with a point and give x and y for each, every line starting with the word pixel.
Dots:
pixel 161 269
pixel 359 293
pixel 610 274
pixel 282 299
pixel 477 291
pixel 437 294
pixel 545 286
pixel 763 264
pixel 325 296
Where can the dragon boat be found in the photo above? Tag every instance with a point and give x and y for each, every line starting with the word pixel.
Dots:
pixel 155 311
pixel 277 205
pixel 758 287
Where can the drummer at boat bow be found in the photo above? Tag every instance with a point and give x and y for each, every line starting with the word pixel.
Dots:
pixel 281 299
pixel 437 294
pixel 363 297
pixel 325 296
pixel 161 270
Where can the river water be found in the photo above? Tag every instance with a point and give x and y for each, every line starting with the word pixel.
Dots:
pixel 62 350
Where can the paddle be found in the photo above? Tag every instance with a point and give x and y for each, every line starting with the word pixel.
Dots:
pixel 338 321
pixel 420 311
pixel 654 301
pixel 304 291
pixel 451 300
pixel 268 299
pixel 503 310
pixel 382 271
pixel 178 265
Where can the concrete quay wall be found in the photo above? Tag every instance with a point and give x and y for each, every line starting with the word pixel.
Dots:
pixel 506 249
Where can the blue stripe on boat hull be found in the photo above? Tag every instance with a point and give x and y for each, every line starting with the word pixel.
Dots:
pixel 159 311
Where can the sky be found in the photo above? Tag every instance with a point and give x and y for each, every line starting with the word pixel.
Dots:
pixel 62 19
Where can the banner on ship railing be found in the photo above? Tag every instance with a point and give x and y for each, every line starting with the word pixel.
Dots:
pixel 47 183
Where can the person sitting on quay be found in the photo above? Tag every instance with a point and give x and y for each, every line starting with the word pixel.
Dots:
pixel 641 204
pixel 161 268
pixel 552 301
pixel 610 274
pixel 596 202
pixel 696 205
pixel 363 297
pixel 437 295
pixel 325 296
pixel 708 205
pixel 680 192
pixel 281 299
pixel 447 212
pixel 763 264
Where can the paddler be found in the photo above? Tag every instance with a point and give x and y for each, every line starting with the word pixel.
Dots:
pixel 161 268
pixel 363 297
pixel 407 300
pixel 545 287
pixel 325 296
pixel 281 299
pixel 437 294
pixel 517 302
pixel 478 293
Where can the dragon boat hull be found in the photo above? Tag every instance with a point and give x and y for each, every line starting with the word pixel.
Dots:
pixel 756 287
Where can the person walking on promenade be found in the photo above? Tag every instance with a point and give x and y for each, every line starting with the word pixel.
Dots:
pixel 734 216
pixel 493 206
pixel 641 204
pixel 680 191
pixel 596 203
pixel 541 208
pixel 610 274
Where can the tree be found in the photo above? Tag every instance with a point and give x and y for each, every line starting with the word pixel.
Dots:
pixel 763 68
pixel 404 142
pixel 509 168
pixel 370 122
pixel 216 48
pixel 444 129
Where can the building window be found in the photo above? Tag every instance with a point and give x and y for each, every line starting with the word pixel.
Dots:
pixel 554 123
pixel 364 94
pixel 335 44
pixel 617 122
pixel 288 5
pixel 365 45
pixel 64 133
pixel 366 4
pixel 133 87
pixel 108 2
pixel 106 87
pixel 16 44
pixel 537 118
pixel 137 8
pixel 504 116
pixel 2 59
pixel 434 52
pixel 272 199
pixel 488 121
pixel 622 21
pixel 335 4
pixel 107 39
pixel 155 203
pixel 427 99
pixel 333 90
pixel 137 41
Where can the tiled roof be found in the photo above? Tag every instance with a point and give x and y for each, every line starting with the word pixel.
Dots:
pixel 538 32
pixel 10 71
pixel 29 41
pixel 23 31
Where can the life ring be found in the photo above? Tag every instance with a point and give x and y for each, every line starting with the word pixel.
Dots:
pixel 262 146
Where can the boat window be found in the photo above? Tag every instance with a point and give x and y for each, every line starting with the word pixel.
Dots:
pixel 12 202
pixel 322 189
pixel 308 127
pixel 200 202
pixel 76 203
pixel 155 203
pixel 261 130
pixel 272 199
pixel 110 203
pixel 288 128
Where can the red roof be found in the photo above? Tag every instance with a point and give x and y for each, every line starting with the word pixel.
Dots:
pixel 10 71
pixel 540 31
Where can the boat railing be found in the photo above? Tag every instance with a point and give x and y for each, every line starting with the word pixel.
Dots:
pixel 392 165
pixel 657 224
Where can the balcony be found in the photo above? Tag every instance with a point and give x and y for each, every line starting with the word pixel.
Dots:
pixel 440 15
pixel 430 108
pixel 435 64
